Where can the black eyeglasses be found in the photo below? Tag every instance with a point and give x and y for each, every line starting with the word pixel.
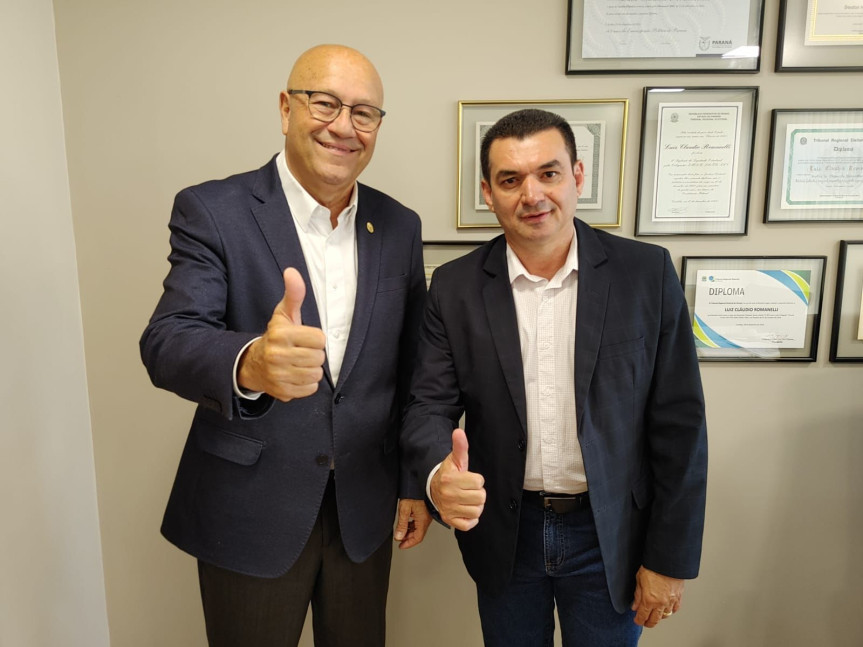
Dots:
pixel 327 108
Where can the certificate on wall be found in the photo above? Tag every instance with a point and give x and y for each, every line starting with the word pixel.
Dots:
pixel 815 166
pixel 823 167
pixel 696 153
pixel 834 22
pixel 754 309
pixel 664 28
pixel 599 126
pixel 590 148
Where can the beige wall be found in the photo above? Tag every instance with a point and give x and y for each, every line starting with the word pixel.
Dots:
pixel 158 95
pixel 51 581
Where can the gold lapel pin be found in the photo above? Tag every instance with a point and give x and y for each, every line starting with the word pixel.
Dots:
pixel 370 227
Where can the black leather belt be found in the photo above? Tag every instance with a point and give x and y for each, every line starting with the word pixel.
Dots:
pixel 559 503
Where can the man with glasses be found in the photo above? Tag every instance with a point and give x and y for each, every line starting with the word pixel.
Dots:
pixel 289 315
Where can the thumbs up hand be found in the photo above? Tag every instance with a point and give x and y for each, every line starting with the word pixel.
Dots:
pixel 458 494
pixel 287 361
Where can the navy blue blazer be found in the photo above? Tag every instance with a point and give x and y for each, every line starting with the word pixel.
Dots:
pixel 252 475
pixel 639 406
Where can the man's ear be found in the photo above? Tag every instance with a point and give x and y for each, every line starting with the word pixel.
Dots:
pixel 486 194
pixel 578 174
pixel 284 110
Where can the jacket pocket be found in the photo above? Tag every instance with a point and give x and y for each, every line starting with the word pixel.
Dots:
pixel 393 283
pixel 230 446
pixel 621 348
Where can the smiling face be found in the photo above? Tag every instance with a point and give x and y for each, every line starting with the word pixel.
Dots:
pixel 533 188
pixel 327 158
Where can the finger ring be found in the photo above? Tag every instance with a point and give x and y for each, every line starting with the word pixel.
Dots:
pixel 665 614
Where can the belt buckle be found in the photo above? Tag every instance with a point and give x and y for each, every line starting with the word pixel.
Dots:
pixel 547 500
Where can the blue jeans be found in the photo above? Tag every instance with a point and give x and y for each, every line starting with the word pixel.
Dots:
pixel 557 562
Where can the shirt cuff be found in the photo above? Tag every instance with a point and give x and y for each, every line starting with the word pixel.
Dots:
pixel 245 394
pixel 428 484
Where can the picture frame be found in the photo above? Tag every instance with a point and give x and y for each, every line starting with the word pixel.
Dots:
pixel 438 252
pixel 600 136
pixel 846 342
pixel 819 36
pixel 695 162
pixel 754 308
pixel 814 172
pixel 602 40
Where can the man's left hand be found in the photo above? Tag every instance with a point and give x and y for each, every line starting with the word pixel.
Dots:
pixel 656 597
pixel 414 519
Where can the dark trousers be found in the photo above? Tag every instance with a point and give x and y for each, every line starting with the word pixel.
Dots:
pixel 348 600
pixel 558 563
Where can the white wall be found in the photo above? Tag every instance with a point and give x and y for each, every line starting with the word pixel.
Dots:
pixel 158 95
pixel 51 581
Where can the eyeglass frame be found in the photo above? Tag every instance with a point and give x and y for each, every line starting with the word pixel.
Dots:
pixel 342 104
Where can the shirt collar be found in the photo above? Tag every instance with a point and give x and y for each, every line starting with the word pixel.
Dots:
pixel 516 267
pixel 302 205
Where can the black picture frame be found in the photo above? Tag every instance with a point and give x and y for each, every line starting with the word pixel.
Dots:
pixel 794 55
pixel 654 172
pixel 846 341
pixel 789 131
pixel 712 345
pixel 745 59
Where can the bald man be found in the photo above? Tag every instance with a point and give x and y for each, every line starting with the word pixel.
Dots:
pixel 290 315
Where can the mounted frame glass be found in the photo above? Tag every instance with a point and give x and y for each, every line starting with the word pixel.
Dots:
pixel 815 166
pixel 695 166
pixel 600 137
pixel 436 253
pixel 656 36
pixel 754 308
pixel 846 344
pixel 820 36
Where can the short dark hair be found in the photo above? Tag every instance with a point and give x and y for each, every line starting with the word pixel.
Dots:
pixel 521 124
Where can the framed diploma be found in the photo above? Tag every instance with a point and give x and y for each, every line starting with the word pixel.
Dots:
pixel 599 126
pixel 815 166
pixel 820 35
pixel 754 308
pixel 695 166
pixel 846 344
pixel 655 36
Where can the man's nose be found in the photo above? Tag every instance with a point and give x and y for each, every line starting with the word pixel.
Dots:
pixel 342 125
pixel 531 190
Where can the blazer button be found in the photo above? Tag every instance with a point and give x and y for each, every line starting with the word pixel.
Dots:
pixel 339 398
pixel 513 505
pixel 322 459
pixel 521 445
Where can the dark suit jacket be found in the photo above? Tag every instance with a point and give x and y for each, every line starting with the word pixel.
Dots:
pixel 638 400
pixel 252 474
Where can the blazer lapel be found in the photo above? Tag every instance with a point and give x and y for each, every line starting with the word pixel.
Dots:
pixel 593 288
pixel 277 226
pixel 500 310
pixel 368 272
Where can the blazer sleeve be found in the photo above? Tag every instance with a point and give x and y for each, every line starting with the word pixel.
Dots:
pixel 435 406
pixel 409 488
pixel 187 347
pixel 677 442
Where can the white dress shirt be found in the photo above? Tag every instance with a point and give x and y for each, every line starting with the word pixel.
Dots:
pixel 546 310
pixel 331 258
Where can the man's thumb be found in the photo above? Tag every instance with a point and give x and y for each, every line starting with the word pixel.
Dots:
pixel 295 292
pixel 459 449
